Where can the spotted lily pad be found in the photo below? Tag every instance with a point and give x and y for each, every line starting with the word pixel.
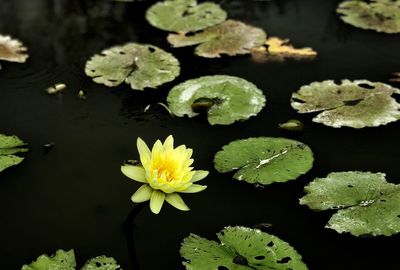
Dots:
pixel 184 15
pixel 230 37
pixel 65 260
pixel 354 104
pixel 226 98
pixel 368 205
pixel 9 146
pixel 378 15
pixel 12 50
pixel 241 248
pixel 264 160
pixel 140 66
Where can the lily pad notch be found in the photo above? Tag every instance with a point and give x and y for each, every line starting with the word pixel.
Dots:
pixel 140 66
pixel 240 248
pixel 367 204
pixel 225 99
pixel 9 147
pixel 264 160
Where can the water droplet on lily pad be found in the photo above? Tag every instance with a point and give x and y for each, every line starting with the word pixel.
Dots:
pixel 264 160
pixel 367 203
pixel 9 146
pixel 356 104
pixel 378 15
pixel 184 16
pixel 230 37
pixel 141 66
pixel 240 248
pixel 226 99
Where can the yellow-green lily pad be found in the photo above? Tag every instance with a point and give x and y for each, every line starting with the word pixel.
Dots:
pixel 366 203
pixel 355 104
pixel 378 15
pixel 240 248
pixel 225 98
pixel 230 37
pixel 184 15
pixel 9 146
pixel 140 66
pixel 264 160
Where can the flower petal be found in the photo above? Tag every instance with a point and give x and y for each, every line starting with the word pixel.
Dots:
pixel 194 189
pixel 156 201
pixel 157 148
pixel 136 173
pixel 169 143
pixel 144 151
pixel 198 175
pixel 176 201
pixel 142 194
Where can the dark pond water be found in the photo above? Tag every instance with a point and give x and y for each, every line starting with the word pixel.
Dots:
pixel 75 196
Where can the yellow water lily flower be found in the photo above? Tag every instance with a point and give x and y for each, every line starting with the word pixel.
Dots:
pixel 165 172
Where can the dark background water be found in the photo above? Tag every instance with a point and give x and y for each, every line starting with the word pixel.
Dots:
pixel 76 197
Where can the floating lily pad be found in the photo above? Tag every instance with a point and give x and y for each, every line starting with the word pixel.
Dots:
pixel 264 160
pixel 368 205
pixel 184 15
pixel 9 146
pixel 140 66
pixel 278 49
pixel 230 37
pixel 241 248
pixel 65 260
pixel 12 50
pixel 225 98
pixel 356 104
pixel 378 15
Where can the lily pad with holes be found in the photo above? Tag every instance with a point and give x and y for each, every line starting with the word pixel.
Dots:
pixel 65 260
pixel 368 205
pixel 264 160
pixel 9 146
pixel 141 66
pixel 225 98
pixel 184 15
pixel 378 15
pixel 241 248
pixel 230 37
pixel 12 50
pixel 356 104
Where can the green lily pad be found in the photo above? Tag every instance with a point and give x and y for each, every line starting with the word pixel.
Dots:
pixel 65 260
pixel 264 160
pixel 226 98
pixel 241 248
pixel 9 146
pixel 378 15
pixel 356 104
pixel 368 205
pixel 140 66
pixel 184 15
pixel 62 260
pixel 230 37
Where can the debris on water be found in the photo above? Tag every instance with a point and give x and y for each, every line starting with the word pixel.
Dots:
pixel 132 162
pixel 81 94
pixel 262 226
pixel 48 147
pixel 292 125
pixel 166 107
pixel 58 87
pixel 147 108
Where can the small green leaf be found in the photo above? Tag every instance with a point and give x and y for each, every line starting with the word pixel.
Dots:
pixel 230 37
pixel 101 263
pixel 368 205
pixel 378 15
pixel 264 160
pixel 232 98
pixel 10 145
pixel 241 248
pixel 62 260
pixel 140 66
pixel 356 104
pixel 184 15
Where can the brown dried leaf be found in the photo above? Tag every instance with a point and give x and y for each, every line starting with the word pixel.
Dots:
pixel 277 49
pixel 12 50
